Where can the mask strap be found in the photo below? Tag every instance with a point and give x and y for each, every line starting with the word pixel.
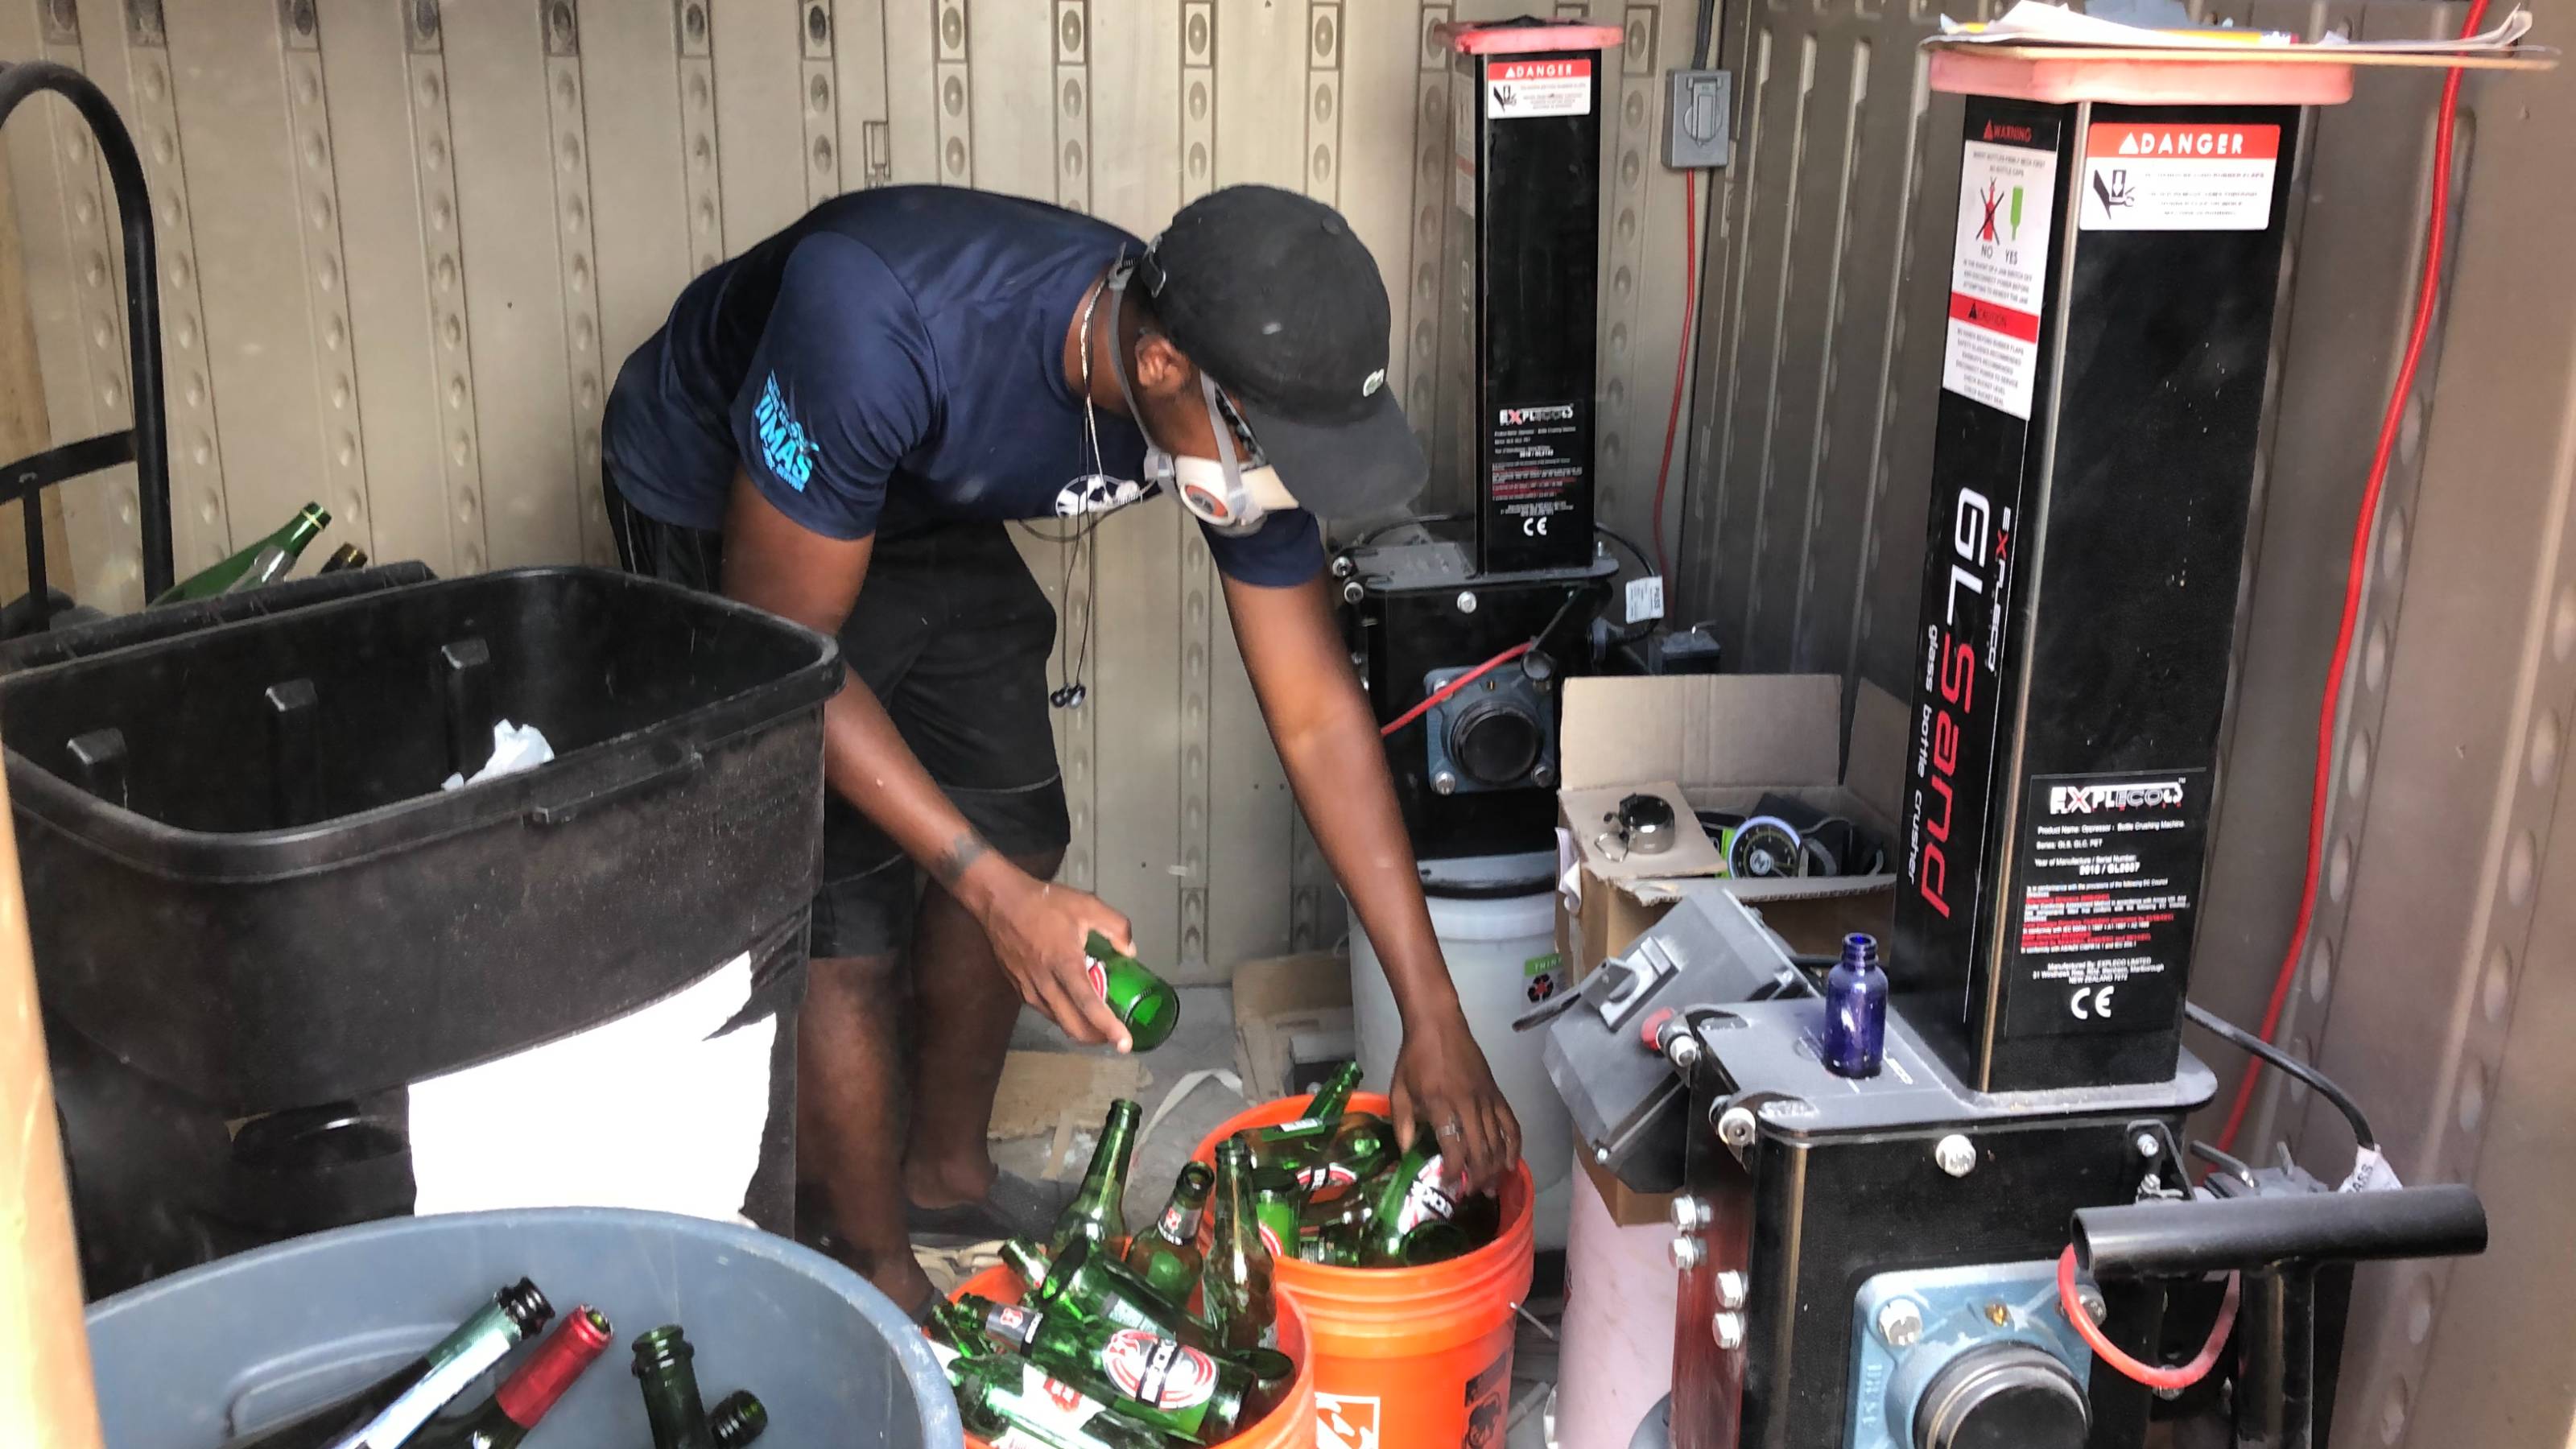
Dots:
pixel 1237 497
pixel 1118 278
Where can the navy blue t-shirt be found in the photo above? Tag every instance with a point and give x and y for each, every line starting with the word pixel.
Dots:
pixel 892 361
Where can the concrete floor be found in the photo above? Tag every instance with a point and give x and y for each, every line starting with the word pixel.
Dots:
pixel 1204 1040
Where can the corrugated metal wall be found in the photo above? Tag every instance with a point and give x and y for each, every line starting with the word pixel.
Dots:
pixel 406 242
pixel 2437 982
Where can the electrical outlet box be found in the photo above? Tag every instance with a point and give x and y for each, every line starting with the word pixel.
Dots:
pixel 1699 107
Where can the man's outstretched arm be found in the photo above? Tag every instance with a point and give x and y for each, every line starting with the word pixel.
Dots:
pixel 1328 740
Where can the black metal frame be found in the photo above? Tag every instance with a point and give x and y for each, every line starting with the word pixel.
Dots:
pixel 146 444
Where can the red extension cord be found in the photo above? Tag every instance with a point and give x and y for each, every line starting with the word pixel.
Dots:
pixel 2357 573
pixel 1681 359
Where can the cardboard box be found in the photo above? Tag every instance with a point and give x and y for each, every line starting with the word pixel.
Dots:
pixel 1282 1002
pixel 1718 742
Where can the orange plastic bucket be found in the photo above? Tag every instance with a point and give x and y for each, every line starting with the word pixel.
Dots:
pixel 1286 1426
pixel 1408 1358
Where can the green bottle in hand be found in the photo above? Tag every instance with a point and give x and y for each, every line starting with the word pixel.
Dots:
pixel 1143 1002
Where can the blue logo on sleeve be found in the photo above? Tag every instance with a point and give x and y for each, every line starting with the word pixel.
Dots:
pixel 783 443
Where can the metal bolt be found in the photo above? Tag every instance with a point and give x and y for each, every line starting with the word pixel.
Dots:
pixel 1735 1127
pixel 1445 782
pixel 2091 1297
pixel 1687 1252
pixel 1731 1289
pixel 1601 1155
pixel 1466 601
pixel 1900 1323
pixel 1353 592
pixel 1684 1051
pixel 1956 1155
pixel 1542 776
pixel 1998 1315
pixel 1689 1213
pixel 1729 1331
pixel 2147 1145
pixel 1342 566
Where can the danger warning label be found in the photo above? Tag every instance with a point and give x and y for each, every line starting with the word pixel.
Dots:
pixel 2006 195
pixel 1518 88
pixel 2162 176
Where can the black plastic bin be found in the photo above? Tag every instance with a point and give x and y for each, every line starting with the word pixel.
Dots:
pixel 244 880
pixel 249 895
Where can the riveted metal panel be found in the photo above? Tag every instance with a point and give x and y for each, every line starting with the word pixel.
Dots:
pixel 760 103
pixel 506 153
pixel 275 303
pixel 859 92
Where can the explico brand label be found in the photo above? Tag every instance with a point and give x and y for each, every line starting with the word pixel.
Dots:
pixel 1161 1372
pixel 1521 417
pixel 1519 88
pixel 2086 799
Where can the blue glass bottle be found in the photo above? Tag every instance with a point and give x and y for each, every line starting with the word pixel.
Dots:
pixel 1856 1010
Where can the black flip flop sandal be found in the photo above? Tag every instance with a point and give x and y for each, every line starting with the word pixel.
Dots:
pixel 1014 1207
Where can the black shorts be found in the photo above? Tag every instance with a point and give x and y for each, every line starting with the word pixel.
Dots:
pixel 951 634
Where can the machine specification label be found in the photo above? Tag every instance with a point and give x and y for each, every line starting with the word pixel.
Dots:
pixel 1997 283
pixel 1539 455
pixel 2108 879
pixel 1518 88
pixel 2159 176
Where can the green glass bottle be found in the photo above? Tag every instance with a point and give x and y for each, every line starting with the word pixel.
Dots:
pixel 1407 1197
pixel 346 556
pixel 475 1345
pixel 529 1392
pixel 1323 1109
pixel 1011 1403
pixel 670 1383
pixel 1097 1212
pixel 737 1419
pixel 264 562
pixel 1090 1283
pixel 1235 1285
pixel 1143 1002
pixel 1155 1380
pixel 1165 1257
pixel 1335 1157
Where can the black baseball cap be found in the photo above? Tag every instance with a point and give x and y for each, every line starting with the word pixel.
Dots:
pixel 1271 294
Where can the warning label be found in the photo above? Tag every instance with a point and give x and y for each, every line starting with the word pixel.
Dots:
pixel 1518 88
pixel 2006 195
pixel 2149 176
pixel 2110 866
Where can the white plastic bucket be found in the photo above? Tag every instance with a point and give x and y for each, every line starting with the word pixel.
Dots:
pixel 1501 950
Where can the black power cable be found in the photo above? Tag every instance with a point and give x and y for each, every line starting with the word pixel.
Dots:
pixel 2239 1037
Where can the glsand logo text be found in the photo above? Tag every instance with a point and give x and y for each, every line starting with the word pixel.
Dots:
pixel 2085 799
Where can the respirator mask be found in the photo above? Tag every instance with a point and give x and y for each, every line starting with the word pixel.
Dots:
pixel 1233 492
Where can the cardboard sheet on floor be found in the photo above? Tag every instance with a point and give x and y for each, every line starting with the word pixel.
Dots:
pixel 1042 1089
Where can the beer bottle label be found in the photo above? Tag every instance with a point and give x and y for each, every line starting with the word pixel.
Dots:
pixel 1425 1201
pixel 1099 975
pixel 1012 1324
pixel 1047 1406
pixel 1161 1373
pixel 1302 1124
pixel 1178 1226
pixel 1327 1175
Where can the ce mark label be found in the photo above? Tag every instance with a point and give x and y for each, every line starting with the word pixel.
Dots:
pixel 1534 526
pixel 2092 1003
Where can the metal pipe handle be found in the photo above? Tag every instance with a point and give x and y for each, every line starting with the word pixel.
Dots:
pixel 147 440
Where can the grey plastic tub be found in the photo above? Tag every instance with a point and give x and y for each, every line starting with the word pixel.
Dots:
pixel 186 1362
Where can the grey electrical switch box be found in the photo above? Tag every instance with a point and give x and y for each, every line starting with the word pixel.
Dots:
pixel 1698 108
